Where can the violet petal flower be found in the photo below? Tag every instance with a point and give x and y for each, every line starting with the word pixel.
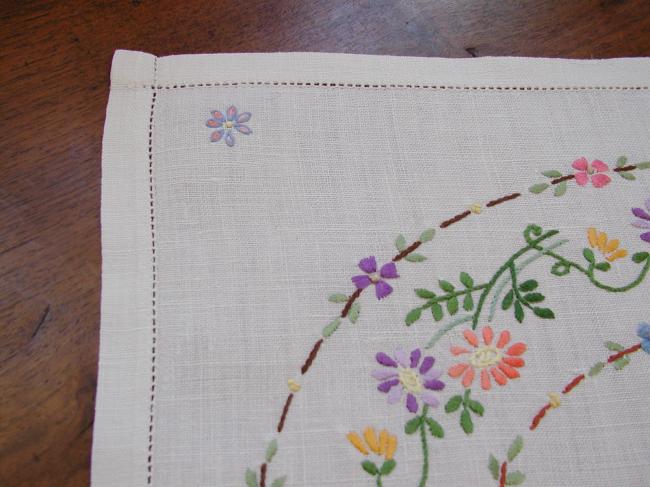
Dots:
pixel 227 125
pixel 369 266
pixel 644 220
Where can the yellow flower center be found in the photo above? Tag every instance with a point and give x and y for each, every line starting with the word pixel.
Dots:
pixel 375 277
pixel 485 356
pixel 410 379
pixel 228 124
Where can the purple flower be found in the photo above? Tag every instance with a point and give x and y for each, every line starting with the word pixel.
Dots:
pixel 644 220
pixel 643 331
pixel 369 266
pixel 401 374
pixel 225 124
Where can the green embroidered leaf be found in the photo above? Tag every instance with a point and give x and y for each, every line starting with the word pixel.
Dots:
pixel 425 293
pixel 529 285
pixel 507 300
pixel 643 165
pixel 603 266
pixel 271 450
pixel 370 467
pixel 621 161
pixel 639 257
pixel 412 425
pixel 387 467
pixel 493 465
pixel 466 279
pixel 544 313
pixel 560 269
pixel 476 407
pixel 400 242
pixel 279 482
pixel 534 297
pixel 331 328
pixel 468 302
pixel 552 173
pixel 446 286
pixel 589 255
pixel 621 362
pixel 415 258
pixel 353 314
pixel 413 316
pixel 614 347
pixel 453 404
pixel 519 311
pixel 251 478
pixel 427 235
pixel 466 395
pixel 538 188
pixel 560 189
pixel 436 311
pixel 337 298
pixel 627 175
pixel 515 478
pixel 466 422
pixel 452 305
pixel 435 428
pixel 596 369
pixel 515 448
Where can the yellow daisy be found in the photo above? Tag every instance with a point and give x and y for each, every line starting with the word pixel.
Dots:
pixel 383 444
pixel 609 248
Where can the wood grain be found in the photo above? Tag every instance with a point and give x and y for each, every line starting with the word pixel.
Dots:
pixel 54 69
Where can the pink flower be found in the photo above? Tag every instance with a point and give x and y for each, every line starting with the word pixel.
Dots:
pixel 591 171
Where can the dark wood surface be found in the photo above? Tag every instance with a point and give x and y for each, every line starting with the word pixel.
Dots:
pixel 54 80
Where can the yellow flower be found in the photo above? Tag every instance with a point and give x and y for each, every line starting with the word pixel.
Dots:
pixel 554 400
pixel 293 385
pixel 609 248
pixel 383 445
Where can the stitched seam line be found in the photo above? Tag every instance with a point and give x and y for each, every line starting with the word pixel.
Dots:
pixel 326 84
pixel 153 280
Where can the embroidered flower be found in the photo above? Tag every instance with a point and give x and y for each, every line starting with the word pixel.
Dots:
pixel 644 220
pixel 488 359
pixel 591 171
pixel 401 374
pixel 369 266
pixel 225 125
pixel 383 445
pixel 643 331
pixel 609 248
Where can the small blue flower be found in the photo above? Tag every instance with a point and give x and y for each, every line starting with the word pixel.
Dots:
pixel 225 125
pixel 643 331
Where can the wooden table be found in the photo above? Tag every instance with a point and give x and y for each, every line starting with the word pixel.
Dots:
pixel 54 81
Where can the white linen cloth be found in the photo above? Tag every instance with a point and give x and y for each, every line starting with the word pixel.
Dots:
pixel 219 257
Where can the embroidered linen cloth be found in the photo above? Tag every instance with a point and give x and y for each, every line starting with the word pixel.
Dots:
pixel 354 270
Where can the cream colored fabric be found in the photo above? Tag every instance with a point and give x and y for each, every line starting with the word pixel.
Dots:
pixel 218 262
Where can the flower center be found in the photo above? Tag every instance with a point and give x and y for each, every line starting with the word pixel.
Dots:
pixel 228 124
pixel 590 170
pixel 485 356
pixel 410 379
pixel 375 277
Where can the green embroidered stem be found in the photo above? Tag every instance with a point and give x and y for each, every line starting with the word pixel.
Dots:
pixel 532 244
pixel 448 296
pixel 515 286
pixel 379 484
pixel 425 447
pixel 499 289
pixel 447 328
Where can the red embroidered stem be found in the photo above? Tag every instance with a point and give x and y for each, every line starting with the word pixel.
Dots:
pixel 285 410
pixel 631 167
pixel 503 199
pixel 455 219
pixel 263 475
pixel 504 474
pixel 623 353
pixel 407 251
pixel 563 178
pixel 351 299
pixel 577 380
pixel 311 357
pixel 539 416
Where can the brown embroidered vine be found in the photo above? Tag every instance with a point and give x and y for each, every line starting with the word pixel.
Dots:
pixel 263 475
pixel 351 300
pixel 311 357
pixel 503 199
pixel 285 410
pixel 455 219
pixel 407 251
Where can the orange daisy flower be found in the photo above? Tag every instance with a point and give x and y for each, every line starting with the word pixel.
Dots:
pixel 490 361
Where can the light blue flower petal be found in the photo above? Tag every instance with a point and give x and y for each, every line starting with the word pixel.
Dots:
pixel 645 345
pixel 643 331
